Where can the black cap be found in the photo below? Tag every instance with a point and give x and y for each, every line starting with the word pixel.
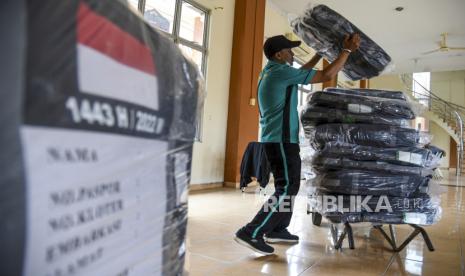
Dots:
pixel 275 44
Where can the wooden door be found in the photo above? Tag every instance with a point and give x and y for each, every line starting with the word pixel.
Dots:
pixel 453 154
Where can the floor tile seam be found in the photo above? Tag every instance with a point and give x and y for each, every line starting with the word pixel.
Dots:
pixel 391 261
pixel 313 265
pixel 300 257
pixel 211 258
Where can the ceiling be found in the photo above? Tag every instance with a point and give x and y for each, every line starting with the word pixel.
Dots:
pixel 403 35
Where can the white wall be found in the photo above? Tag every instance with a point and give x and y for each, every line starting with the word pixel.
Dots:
pixel 449 86
pixel 209 155
pixel 277 23
pixel 390 82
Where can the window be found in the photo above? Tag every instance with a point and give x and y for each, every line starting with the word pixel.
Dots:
pixel 192 24
pixel 302 93
pixel 303 90
pixel 185 21
pixel 421 87
pixel 160 14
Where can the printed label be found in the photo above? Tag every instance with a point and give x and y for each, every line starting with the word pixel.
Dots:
pixel 96 203
pixel 359 108
pixel 410 157
pixel 415 218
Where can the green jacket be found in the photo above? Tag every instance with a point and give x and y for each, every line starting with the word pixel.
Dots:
pixel 277 98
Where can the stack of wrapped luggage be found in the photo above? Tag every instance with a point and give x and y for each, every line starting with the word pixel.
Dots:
pixel 368 159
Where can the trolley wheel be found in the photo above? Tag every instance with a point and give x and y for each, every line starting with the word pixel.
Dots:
pixel 316 218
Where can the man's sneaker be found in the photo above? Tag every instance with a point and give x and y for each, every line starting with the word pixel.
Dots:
pixel 256 244
pixel 281 236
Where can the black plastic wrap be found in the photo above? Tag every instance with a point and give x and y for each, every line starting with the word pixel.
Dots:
pixel 324 29
pixel 314 115
pixel 420 208
pixel 427 217
pixel 378 204
pixel 96 138
pixel 409 156
pixel 363 134
pixel 306 155
pixel 364 105
pixel 321 163
pixel 360 182
pixel 438 152
pixel 387 94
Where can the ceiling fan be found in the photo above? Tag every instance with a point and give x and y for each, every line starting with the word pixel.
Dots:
pixel 443 46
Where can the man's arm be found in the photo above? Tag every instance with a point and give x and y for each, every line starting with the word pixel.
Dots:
pixel 311 63
pixel 331 71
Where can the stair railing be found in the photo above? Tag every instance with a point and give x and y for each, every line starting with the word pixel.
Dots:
pixel 459 145
pixel 450 113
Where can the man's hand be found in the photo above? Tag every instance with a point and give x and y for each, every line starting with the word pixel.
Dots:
pixel 351 43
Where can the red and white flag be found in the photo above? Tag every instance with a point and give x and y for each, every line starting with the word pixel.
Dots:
pixel 112 63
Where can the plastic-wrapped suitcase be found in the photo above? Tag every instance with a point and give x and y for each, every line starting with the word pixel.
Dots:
pixel 324 29
pixel 388 94
pixel 356 104
pixel 421 209
pixel 99 113
pixel 427 217
pixel 360 182
pixel 363 134
pixel 314 115
pixel 377 204
pixel 322 164
pixel 409 156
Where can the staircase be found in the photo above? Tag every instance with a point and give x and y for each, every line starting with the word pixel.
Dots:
pixel 447 115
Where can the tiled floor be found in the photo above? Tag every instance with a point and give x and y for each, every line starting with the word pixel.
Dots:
pixel 214 216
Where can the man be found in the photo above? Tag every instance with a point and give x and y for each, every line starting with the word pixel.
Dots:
pixel 279 122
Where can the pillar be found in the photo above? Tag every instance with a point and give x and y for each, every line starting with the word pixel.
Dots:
pixel 364 84
pixel 246 64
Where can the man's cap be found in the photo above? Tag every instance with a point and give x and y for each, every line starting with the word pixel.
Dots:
pixel 275 44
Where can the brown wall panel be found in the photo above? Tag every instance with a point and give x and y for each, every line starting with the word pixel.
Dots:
pixel 246 63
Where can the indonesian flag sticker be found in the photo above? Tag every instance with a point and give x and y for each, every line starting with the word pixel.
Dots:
pixel 112 63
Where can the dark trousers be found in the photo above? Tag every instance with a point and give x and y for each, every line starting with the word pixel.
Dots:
pixel 285 165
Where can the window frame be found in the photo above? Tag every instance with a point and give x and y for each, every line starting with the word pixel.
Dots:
pixel 174 35
pixel 422 123
pixel 300 88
